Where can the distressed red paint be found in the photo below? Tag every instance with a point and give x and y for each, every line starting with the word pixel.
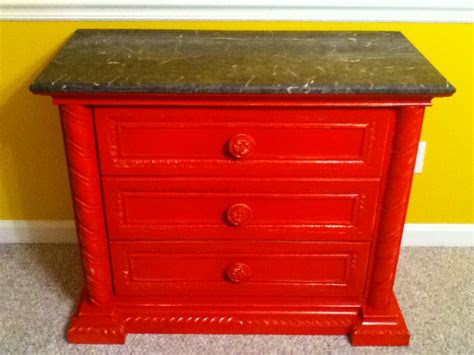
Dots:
pixel 265 214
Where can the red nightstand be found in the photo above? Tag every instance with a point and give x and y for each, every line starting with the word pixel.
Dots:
pixel 254 206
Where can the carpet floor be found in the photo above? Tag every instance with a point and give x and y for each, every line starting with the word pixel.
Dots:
pixel 40 283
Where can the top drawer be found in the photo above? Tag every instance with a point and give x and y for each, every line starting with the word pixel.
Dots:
pixel 242 141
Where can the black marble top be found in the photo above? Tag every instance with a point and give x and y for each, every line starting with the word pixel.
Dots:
pixel 154 61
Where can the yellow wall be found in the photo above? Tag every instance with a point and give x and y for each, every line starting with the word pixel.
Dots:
pixel 33 180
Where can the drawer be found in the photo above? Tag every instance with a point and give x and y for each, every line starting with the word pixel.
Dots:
pixel 288 269
pixel 240 209
pixel 242 142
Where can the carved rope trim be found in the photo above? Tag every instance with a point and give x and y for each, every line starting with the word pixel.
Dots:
pixel 222 320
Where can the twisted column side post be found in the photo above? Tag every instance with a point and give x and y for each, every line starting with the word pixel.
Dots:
pixel 394 206
pixel 83 167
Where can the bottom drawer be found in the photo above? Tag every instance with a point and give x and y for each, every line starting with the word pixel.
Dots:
pixel 283 269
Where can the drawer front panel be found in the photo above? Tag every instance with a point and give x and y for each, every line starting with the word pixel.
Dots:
pixel 287 269
pixel 239 209
pixel 245 142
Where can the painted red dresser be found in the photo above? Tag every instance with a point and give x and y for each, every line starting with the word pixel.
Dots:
pixel 240 182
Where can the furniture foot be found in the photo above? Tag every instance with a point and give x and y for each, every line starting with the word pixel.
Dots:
pixel 381 328
pixel 94 324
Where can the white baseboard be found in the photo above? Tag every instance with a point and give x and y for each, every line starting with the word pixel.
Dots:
pixel 427 235
pixel 438 235
pixel 49 231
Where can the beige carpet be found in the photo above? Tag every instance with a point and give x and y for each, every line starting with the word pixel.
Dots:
pixel 40 283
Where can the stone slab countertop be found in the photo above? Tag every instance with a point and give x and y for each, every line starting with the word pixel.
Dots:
pixel 156 61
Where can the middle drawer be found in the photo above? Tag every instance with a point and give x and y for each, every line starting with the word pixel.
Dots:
pixel 240 209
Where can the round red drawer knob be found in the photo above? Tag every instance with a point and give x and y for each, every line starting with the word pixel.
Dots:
pixel 239 214
pixel 238 272
pixel 241 146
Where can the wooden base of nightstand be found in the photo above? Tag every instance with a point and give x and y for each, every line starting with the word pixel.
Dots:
pixel 381 328
pixel 93 324
pixel 111 323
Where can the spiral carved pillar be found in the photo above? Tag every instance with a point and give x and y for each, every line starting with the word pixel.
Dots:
pixel 394 206
pixel 81 154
